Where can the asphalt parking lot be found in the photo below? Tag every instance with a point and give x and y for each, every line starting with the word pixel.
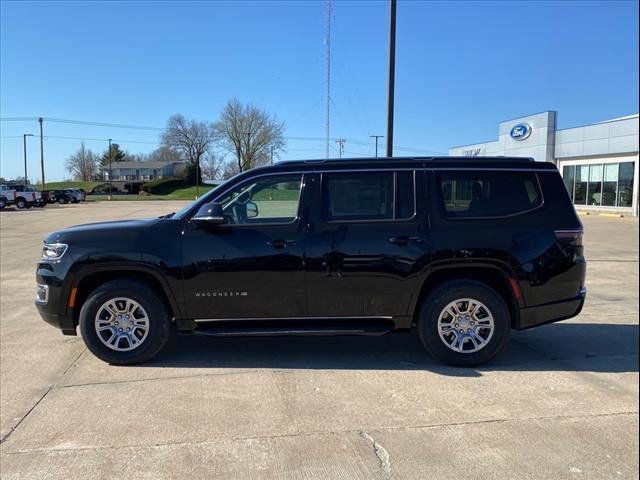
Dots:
pixel 561 402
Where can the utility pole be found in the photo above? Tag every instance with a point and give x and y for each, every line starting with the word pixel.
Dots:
pixel 40 120
pixel 340 142
pixel 392 76
pixel 327 44
pixel 376 137
pixel 110 185
pixel 24 138
pixel 197 178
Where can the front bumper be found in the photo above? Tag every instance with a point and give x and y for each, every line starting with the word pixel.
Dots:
pixel 552 312
pixel 63 322
pixel 52 306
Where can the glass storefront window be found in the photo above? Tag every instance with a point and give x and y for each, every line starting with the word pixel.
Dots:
pixel 594 189
pixel 580 191
pixel 625 184
pixel 610 185
pixel 569 176
pixel 607 185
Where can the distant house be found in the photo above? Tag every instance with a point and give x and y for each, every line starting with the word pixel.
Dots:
pixel 144 171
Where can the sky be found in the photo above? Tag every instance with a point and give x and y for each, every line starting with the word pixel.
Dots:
pixel 461 68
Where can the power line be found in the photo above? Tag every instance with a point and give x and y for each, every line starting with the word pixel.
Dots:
pixel 46 137
pixel 18 119
pixel 150 128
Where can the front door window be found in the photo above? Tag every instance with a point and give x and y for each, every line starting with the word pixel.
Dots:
pixel 267 200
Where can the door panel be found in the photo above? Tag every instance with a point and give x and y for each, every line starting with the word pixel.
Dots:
pixel 365 268
pixel 251 268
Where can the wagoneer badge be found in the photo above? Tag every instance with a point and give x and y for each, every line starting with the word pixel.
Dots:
pixel 521 131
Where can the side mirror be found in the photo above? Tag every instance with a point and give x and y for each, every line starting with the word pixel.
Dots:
pixel 210 213
pixel 252 210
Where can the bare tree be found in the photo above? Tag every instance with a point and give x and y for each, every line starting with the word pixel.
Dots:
pixel 163 154
pixel 189 138
pixel 230 169
pixel 251 134
pixel 83 164
pixel 212 166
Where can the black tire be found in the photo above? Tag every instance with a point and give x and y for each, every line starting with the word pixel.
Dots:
pixel 148 298
pixel 21 203
pixel 74 200
pixel 62 201
pixel 435 303
pixel 3 203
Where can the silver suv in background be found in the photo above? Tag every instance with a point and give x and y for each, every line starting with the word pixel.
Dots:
pixel 77 194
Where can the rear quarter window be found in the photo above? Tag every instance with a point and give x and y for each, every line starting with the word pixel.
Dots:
pixel 486 194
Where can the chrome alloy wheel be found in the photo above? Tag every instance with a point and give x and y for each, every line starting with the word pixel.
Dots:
pixel 466 325
pixel 122 324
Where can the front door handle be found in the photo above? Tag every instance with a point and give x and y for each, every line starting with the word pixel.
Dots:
pixel 281 243
pixel 405 240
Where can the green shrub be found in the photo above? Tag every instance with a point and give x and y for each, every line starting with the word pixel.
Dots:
pixel 164 186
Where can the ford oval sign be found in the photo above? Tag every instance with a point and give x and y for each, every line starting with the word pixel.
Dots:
pixel 521 131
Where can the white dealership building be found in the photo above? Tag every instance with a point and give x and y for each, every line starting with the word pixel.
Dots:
pixel 598 162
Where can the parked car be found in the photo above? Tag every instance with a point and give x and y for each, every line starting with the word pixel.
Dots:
pixel 462 249
pixel 26 196
pixel 77 194
pixel 60 196
pixel 7 196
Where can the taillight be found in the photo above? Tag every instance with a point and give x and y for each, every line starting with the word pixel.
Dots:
pixel 569 237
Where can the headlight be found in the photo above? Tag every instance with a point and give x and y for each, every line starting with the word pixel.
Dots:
pixel 53 251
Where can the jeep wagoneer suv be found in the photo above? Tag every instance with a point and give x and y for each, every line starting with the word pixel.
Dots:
pixel 462 249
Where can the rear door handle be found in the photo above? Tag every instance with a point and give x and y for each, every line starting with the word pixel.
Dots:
pixel 405 240
pixel 281 243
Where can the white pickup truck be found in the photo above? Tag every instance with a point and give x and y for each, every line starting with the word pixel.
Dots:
pixel 25 196
pixel 6 195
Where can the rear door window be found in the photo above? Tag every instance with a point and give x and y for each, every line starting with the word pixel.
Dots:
pixel 362 196
pixel 482 194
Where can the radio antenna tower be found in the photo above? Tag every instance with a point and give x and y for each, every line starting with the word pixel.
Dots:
pixel 327 44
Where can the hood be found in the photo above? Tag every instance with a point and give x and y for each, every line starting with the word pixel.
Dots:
pixel 101 230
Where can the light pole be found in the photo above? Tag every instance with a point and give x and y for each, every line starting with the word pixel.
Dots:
pixel 271 150
pixel 24 139
pixel 376 137
pixel 109 197
pixel 40 121
pixel 392 76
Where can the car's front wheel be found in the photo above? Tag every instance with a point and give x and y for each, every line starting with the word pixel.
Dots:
pixel 464 323
pixel 124 322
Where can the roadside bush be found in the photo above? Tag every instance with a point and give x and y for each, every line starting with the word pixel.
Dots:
pixel 164 186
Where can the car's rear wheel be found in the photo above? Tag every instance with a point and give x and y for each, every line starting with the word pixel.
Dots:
pixel 124 322
pixel 62 201
pixel 464 323
pixel 3 203
pixel 21 203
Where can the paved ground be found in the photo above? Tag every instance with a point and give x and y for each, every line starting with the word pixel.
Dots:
pixel 561 402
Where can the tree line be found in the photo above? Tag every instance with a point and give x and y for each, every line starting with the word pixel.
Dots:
pixel 243 137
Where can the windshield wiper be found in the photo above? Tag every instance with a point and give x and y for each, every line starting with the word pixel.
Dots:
pixel 168 215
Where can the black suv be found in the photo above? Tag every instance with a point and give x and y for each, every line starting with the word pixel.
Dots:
pixel 463 249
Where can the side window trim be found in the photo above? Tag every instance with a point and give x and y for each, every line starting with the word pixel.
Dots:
pixel 373 220
pixel 295 220
pixel 446 215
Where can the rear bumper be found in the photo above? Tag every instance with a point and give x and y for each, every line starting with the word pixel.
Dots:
pixel 551 312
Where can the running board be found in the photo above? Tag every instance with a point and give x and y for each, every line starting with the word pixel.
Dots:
pixel 298 330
